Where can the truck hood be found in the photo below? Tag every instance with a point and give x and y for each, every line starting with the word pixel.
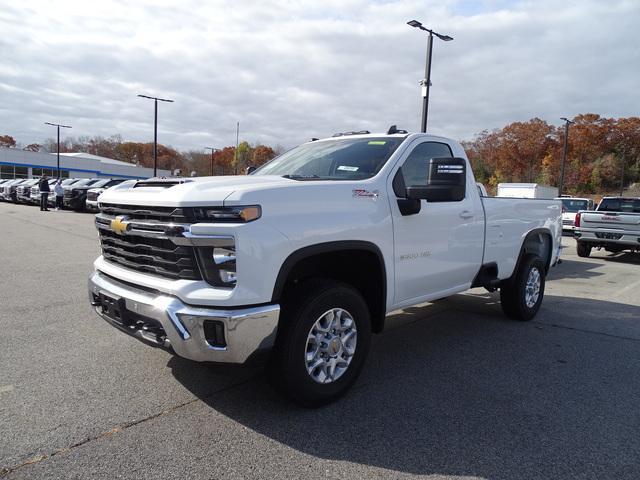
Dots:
pixel 204 191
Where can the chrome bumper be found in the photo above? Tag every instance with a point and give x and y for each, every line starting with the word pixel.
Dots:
pixel 246 331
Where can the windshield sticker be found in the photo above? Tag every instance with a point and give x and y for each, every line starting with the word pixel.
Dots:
pixel 362 193
pixel 376 142
pixel 347 168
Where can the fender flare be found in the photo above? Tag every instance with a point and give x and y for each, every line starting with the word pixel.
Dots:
pixel 328 247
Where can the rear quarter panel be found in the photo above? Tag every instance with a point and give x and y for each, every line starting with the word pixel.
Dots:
pixel 510 220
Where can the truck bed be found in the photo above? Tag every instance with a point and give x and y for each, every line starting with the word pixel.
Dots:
pixel 508 220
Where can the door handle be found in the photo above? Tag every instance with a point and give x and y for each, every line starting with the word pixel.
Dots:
pixel 466 214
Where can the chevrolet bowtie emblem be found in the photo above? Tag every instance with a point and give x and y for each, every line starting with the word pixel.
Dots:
pixel 120 225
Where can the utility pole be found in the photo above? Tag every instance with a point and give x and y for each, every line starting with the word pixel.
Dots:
pixel 564 152
pixel 213 150
pixel 58 151
pixel 235 154
pixel 622 175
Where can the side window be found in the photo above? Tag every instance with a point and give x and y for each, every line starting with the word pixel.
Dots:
pixel 416 166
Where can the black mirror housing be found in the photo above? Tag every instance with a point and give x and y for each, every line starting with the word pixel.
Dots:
pixel 446 181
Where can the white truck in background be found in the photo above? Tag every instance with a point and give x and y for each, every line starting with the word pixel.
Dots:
pixel 571 206
pixel 526 190
pixel 303 259
pixel 614 226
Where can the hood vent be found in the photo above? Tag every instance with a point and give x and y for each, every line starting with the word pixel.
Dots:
pixel 161 182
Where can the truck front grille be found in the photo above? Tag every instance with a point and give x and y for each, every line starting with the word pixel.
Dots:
pixel 162 214
pixel 149 255
pixel 144 245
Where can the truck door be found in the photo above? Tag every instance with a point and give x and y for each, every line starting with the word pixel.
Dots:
pixel 437 251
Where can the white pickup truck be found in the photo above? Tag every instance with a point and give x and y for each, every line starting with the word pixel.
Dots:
pixel 304 258
pixel 614 226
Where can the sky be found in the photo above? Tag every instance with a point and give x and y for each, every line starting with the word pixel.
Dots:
pixel 289 70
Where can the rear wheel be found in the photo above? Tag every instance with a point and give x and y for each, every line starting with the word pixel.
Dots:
pixel 322 343
pixel 521 295
pixel 584 249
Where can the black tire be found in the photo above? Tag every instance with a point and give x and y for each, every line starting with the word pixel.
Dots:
pixel 287 369
pixel 513 291
pixel 584 249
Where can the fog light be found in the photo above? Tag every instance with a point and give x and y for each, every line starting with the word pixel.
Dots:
pixel 225 260
pixel 214 333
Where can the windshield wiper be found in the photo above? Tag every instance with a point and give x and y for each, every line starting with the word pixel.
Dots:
pixel 301 177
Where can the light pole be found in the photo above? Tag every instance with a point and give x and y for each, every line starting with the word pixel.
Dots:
pixel 564 152
pixel 213 150
pixel 235 154
pixel 155 129
pixel 63 126
pixel 426 82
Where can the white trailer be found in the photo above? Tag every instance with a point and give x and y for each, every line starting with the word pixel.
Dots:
pixel 526 190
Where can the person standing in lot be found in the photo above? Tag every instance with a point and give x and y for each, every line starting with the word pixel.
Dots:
pixel 44 193
pixel 59 191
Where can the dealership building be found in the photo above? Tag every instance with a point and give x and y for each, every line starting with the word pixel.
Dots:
pixel 15 163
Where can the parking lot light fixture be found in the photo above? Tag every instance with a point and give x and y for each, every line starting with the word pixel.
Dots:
pixel 155 129
pixel 58 150
pixel 213 150
pixel 567 122
pixel 426 82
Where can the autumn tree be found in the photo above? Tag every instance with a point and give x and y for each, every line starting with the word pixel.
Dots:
pixel 261 155
pixel 7 141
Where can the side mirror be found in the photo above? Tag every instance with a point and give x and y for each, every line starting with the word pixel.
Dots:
pixel 446 181
pixel 251 169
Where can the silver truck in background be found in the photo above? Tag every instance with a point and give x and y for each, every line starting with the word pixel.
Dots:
pixel 614 226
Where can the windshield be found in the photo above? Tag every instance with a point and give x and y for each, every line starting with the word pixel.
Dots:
pixel 99 183
pixel 69 181
pixel 572 205
pixel 343 159
pixel 620 205
pixel 83 182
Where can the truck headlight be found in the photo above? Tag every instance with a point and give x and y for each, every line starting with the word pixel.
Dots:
pixel 241 214
pixel 218 265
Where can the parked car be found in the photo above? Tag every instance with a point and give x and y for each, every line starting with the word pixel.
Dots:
pixel 70 197
pixel 34 192
pixel 303 259
pixel 91 203
pixel 75 196
pixel 571 206
pixel 526 190
pixel 23 191
pixel 51 199
pixel 614 226
pixel 4 182
pixel 9 190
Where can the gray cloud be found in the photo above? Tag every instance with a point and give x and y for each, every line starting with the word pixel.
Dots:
pixel 290 70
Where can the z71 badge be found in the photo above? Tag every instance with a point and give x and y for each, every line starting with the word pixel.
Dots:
pixel 361 193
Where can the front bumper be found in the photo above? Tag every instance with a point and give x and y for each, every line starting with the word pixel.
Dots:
pixel 247 331
pixel 92 205
pixel 75 203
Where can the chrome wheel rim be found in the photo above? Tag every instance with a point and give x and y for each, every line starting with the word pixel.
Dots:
pixel 331 344
pixel 532 289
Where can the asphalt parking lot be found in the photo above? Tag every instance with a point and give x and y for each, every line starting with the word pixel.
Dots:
pixel 451 389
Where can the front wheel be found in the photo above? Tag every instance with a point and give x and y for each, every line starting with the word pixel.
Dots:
pixel 322 343
pixel 521 295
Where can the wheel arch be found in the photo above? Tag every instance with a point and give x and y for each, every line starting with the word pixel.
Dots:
pixel 357 262
pixel 539 242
